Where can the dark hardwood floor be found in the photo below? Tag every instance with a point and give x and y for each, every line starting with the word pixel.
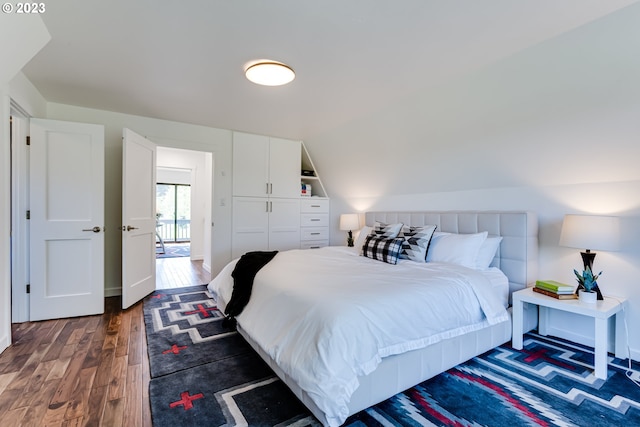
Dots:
pixel 85 371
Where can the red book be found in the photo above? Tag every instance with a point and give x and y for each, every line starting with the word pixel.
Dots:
pixel 554 295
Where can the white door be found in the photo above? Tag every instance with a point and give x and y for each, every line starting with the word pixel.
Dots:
pixel 284 224
pixel 285 158
pixel 250 165
pixel 67 219
pixel 250 225
pixel 138 217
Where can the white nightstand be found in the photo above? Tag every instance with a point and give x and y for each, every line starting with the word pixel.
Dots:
pixel 601 311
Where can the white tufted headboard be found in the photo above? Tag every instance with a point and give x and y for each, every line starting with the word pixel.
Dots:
pixel 517 255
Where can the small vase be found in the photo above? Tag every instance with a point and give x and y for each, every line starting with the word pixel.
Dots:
pixel 589 297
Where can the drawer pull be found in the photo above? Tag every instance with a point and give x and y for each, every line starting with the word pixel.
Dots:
pixel 315 206
pixel 315 219
pixel 315 234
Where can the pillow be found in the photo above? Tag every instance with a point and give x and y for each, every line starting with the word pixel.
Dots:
pixel 416 242
pixel 386 250
pixel 364 232
pixel 487 252
pixel 386 231
pixel 460 249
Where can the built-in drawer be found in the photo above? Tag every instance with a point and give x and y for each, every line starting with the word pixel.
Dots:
pixel 314 220
pixel 313 244
pixel 312 204
pixel 314 233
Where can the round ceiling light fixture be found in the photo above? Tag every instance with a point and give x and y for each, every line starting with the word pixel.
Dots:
pixel 269 73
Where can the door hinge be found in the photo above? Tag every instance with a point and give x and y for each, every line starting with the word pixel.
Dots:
pixel 28 289
pixel 28 214
pixel 28 140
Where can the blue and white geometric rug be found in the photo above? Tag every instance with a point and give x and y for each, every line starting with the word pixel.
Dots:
pixel 204 375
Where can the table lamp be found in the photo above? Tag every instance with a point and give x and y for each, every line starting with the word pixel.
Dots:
pixel 590 232
pixel 349 222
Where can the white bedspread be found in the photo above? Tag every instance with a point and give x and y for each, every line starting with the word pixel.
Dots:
pixel 327 315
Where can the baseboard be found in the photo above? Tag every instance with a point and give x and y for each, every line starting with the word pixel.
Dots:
pixel 4 343
pixel 577 337
pixel 112 292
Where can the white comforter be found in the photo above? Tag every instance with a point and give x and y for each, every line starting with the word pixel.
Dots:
pixel 327 316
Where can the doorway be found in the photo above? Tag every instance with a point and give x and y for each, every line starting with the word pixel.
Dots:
pixel 183 206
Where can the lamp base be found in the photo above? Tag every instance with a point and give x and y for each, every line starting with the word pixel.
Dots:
pixel 587 259
pixel 350 239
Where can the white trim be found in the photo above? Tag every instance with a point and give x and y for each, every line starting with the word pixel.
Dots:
pixel 5 223
pixel 112 291
pixel 19 207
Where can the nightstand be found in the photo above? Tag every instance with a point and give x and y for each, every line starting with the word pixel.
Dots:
pixel 601 311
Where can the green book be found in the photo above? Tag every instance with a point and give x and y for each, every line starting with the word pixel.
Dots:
pixel 553 286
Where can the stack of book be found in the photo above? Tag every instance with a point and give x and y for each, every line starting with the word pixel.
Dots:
pixel 555 289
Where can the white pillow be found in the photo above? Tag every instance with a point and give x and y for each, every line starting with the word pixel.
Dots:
pixel 362 235
pixel 460 249
pixel 487 252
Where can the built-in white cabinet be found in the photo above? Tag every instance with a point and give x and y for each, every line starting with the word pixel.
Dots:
pixel 314 223
pixel 269 212
pixel 265 166
pixel 261 224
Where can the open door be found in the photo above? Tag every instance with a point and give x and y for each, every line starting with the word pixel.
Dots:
pixel 66 219
pixel 138 217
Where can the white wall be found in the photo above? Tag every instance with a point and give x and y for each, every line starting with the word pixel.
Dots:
pixel 168 134
pixel 554 129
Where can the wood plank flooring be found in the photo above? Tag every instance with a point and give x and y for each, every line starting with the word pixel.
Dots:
pixel 180 272
pixel 85 371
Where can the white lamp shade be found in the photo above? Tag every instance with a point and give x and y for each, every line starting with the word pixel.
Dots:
pixel 349 222
pixel 591 232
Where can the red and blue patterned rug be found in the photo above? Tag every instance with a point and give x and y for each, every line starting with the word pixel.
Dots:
pixel 203 374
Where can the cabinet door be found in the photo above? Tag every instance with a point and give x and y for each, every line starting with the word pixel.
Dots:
pixel 250 225
pixel 250 165
pixel 285 157
pixel 284 224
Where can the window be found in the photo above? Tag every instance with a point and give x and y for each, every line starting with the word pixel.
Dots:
pixel 173 212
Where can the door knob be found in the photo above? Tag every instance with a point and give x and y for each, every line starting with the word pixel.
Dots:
pixel 95 229
pixel 129 228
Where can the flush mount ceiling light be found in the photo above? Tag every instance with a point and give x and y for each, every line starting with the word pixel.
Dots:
pixel 269 73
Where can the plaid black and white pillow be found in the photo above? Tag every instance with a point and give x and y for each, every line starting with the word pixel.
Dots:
pixel 416 242
pixel 386 231
pixel 387 250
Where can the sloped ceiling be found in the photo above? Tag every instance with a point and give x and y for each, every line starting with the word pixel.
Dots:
pixel 184 61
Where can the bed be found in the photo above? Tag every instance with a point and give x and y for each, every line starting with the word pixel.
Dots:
pixel 346 331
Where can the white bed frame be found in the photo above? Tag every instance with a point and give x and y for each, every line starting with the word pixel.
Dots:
pixel 516 257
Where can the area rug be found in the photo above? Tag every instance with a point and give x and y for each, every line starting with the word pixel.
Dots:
pixel 203 374
pixel 173 250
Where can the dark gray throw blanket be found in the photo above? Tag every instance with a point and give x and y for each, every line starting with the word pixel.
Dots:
pixel 243 275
